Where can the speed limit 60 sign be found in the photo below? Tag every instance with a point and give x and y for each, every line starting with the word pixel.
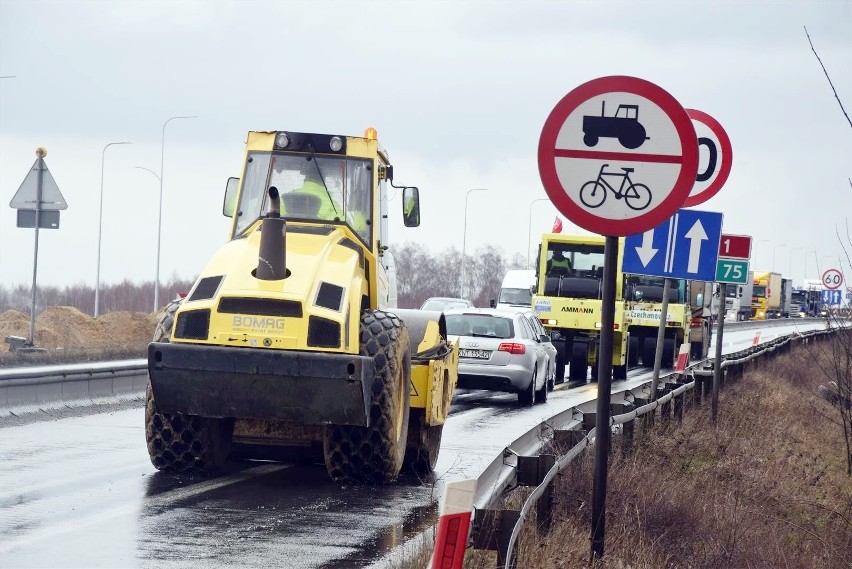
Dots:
pixel 832 279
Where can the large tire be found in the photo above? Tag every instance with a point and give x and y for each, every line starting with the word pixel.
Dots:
pixel 375 453
pixel 541 394
pixel 424 442
pixel 526 398
pixel 178 442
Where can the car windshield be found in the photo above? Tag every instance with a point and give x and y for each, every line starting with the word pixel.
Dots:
pixel 479 325
pixel 443 304
pixel 334 189
pixel 521 296
pixel 759 291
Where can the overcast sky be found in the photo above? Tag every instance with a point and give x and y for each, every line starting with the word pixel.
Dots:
pixel 458 91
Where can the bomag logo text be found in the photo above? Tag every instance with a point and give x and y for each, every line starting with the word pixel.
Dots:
pixel 259 323
pixel 578 310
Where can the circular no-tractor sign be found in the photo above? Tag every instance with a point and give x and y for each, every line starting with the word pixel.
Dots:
pixel 832 279
pixel 715 157
pixel 618 155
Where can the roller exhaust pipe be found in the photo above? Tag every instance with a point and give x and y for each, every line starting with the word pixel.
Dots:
pixel 271 258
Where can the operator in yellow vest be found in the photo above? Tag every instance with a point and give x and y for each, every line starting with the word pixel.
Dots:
pixel 312 200
pixel 559 264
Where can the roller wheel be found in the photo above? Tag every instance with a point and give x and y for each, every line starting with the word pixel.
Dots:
pixel 579 362
pixel 649 350
pixel 376 453
pixel 179 442
pixel 633 350
pixel 560 362
pixel 424 442
pixel 669 353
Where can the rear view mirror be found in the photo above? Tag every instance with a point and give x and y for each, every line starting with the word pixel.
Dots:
pixel 229 207
pixel 411 206
pixel 492 303
pixel 544 338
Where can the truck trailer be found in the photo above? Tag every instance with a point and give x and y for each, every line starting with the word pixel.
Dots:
pixel 766 296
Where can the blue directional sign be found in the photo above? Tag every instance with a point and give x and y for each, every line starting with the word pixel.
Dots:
pixel 686 246
pixel 832 296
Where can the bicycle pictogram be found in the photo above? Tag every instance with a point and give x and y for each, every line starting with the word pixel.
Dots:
pixel 636 196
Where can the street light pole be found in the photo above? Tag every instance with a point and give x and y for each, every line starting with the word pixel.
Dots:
pixel 160 214
pixel 464 237
pixel 759 241
pixel 100 227
pixel 529 229
pixel 790 263
pixel 774 251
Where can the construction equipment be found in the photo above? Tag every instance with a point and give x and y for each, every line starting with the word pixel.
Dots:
pixel 645 297
pixel 766 296
pixel 289 343
pixel 568 303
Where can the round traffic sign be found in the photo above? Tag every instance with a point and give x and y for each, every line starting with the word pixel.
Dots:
pixel 618 155
pixel 832 279
pixel 715 157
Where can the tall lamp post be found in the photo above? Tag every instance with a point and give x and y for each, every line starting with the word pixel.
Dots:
pixel 774 251
pixel 160 214
pixel 464 236
pixel 790 263
pixel 100 227
pixel 756 245
pixel 529 229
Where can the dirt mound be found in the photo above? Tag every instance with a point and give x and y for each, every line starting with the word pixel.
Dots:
pixel 66 327
pixel 128 328
pixel 77 330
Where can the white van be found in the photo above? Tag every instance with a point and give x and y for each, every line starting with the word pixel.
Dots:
pixel 516 290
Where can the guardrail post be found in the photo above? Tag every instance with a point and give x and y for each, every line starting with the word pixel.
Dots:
pixel 665 408
pixel 678 408
pixel 626 428
pixel 531 472
pixel 566 439
pixel 491 532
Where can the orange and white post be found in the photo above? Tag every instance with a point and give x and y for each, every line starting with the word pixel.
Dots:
pixel 756 340
pixel 453 525
pixel 682 357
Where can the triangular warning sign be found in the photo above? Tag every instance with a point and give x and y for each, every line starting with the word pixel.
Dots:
pixel 51 197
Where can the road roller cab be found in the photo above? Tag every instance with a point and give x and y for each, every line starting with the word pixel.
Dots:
pixel 288 341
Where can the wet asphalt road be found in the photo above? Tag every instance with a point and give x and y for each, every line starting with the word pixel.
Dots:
pixel 81 492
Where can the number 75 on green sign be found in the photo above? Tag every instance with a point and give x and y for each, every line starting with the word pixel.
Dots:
pixel 731 271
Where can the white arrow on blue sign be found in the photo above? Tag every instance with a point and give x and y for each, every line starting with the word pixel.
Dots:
pixel 832 296
pixel 685 246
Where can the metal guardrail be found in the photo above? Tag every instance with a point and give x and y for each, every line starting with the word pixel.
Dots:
pixel 27 389
pixel 501 477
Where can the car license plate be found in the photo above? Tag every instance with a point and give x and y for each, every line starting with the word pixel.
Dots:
pixel 477 354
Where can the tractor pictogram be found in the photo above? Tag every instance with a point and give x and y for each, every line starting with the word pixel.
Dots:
pixel 624 126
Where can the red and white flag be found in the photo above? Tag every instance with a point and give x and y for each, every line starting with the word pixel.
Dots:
pixel 557 225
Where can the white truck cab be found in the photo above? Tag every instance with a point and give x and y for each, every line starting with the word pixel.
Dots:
pixel 516 290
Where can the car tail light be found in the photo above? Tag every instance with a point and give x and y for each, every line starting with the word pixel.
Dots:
pixel 512 348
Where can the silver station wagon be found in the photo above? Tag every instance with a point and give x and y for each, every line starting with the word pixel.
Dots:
pixel 499 351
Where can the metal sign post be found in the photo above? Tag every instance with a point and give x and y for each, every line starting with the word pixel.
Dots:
pixel 602 429
pixel 661 334
pixel 717 362
pixel 41 152
pixel 38 202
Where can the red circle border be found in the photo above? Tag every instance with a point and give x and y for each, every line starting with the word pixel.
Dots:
pixel 624 84
pixel 726 162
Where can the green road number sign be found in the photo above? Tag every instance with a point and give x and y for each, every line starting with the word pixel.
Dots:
pixel 731 271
